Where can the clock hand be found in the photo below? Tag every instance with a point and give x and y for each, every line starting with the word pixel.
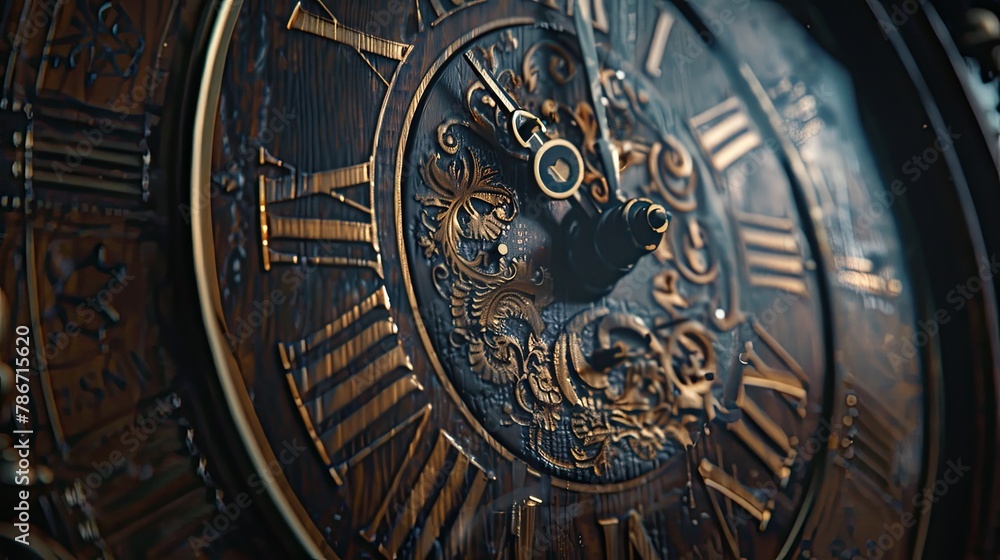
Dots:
pixel 603 251
pixel 602 248
pixel 522 122
pixel 557 163
pixel 588 49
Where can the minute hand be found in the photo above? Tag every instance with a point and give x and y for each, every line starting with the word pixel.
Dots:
pixel 506 103
pixel 588 49
pixel 521 122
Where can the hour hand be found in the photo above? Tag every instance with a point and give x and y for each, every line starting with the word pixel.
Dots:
pixel 588 49
pixel 557 164
pixel 527 129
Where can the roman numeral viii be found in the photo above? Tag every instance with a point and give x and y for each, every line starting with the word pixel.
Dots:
pixel 342 380
pixel 450 486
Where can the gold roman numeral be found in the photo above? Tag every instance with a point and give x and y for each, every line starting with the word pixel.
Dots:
pixel 731 488
pixel 41 156
pixel 776 449
pixel 598 13
pixel 640 544
pixel 331 370
pixel 772 253
pixel 658 44
pixel 524 520
pixel 758 431
pixel 335 242
pixel 719 482
pixel 725 133
pixel 443 488
pixel 333 30
pixel 610 528
pixel 874 432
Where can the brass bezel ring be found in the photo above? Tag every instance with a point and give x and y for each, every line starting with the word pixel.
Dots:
pixel 536 166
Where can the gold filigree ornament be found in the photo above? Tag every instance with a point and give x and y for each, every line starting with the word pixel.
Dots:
pixel 609 385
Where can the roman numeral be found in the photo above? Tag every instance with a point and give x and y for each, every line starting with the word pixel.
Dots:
pixel 442 13
pixel 760 433
pixel 776 449
pixel 725 133
pixel 772 253
pixel 330 371
pixel 639 545
pixel 333 30
pixel 874 432
pixel 108 156
pixel 598 14
pixel 361 42
pixel 658 45
pixel 610 528
pixel 524 522
pixel 338 242
pixel 718 480
pixel 639 540
pixel 443 488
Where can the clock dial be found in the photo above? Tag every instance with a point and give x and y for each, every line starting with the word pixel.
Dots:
pixel 532 279
pixel 599 388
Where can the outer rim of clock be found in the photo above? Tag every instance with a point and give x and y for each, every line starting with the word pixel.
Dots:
pixel 237 398
pixel 401 147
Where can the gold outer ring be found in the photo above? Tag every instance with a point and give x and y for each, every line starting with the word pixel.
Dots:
pixel 237 399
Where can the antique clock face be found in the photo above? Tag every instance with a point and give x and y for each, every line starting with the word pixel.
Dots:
pixel 533 279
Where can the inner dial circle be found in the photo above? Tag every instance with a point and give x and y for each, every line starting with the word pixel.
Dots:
pixel 592 391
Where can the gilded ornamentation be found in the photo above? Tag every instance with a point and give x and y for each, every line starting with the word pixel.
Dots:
pixel 594 386
pixel 614 378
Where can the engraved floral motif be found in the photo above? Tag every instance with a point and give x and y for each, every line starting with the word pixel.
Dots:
pixel 596 387
pixel 607 372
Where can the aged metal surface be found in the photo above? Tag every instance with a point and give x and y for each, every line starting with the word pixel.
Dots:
pixel 116 470
pixel 318 279
pixel 392 278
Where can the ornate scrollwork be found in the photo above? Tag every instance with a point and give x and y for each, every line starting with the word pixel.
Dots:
pixel 596 389
pixel 559 64
pixel 608 378
pixel 671 170
pixel 625 372
pixel 473 207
